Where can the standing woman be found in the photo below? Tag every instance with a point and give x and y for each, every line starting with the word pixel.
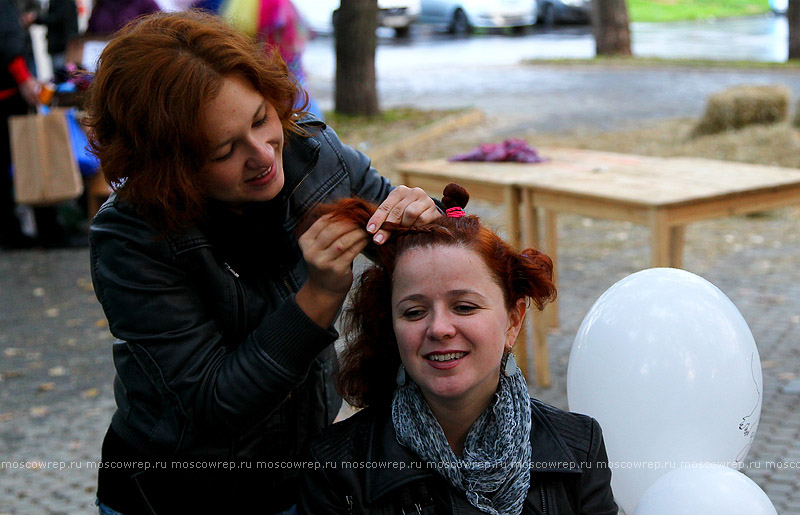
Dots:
pixel 223 317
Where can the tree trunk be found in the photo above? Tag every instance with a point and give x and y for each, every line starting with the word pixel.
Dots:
pixel 612 35
pixel 355 23
pixel 793 19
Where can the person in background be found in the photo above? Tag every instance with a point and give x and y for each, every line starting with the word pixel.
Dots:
pixel 61 20
pixel 108 16
pixel 281 26
pixel 223 315
pixel 449 425
pixel 26 6
pixel 284 27
pixel 18 91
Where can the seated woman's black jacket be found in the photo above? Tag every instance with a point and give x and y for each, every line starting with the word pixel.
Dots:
pixel 357 466
pixel 215 361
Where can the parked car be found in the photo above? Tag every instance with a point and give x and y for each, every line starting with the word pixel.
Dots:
pixel 461 16
pixel 778 6
pixel 564 11
pixel 396 14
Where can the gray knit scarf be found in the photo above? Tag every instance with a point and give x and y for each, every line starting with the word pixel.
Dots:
pixel 494 470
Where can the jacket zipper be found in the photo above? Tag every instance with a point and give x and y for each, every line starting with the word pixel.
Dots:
pixel 287 284
pixel 240 321
pixel 544 499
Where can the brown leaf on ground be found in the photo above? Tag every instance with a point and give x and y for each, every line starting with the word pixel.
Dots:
pixel 91 392
pixel 46 387
pixel 39 411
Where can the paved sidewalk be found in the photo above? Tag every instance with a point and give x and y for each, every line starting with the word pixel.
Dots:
pixel 55 392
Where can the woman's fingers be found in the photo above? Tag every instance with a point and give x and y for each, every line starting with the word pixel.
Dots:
pixel 428 215
pixel 329 248
pixel 405 206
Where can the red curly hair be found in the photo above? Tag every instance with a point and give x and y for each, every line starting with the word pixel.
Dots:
pixel 370 360
pixel 144 107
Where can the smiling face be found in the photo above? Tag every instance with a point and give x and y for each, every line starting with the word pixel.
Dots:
pixel 451 324
pixel 246 140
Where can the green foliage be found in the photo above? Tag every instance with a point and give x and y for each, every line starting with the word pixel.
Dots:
pixel 658 62
pixel 674 10
pixel 365 132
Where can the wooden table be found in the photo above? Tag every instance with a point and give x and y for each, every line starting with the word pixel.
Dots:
pixel 664 194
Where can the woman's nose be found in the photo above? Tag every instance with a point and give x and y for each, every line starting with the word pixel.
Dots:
pixel 262 154
pixel 441 327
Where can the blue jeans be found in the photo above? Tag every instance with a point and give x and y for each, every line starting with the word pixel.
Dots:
pixel 105 510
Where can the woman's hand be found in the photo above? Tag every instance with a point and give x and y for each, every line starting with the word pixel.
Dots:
pixel 329 248
pixel 30 91
pixel 404 205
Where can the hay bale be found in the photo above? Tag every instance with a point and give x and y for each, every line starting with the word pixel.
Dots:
pixel 741 106
pixel 796 121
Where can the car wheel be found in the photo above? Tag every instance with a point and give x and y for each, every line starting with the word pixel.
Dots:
pixel 549 15
pixel 460 24
pixel 402 32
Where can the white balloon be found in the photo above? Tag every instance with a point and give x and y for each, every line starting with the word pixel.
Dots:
pixel 704 489
pixel 668 366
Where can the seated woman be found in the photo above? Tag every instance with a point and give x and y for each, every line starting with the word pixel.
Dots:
pixel 449 426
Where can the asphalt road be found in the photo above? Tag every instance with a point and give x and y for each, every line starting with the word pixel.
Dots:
pixel 432 70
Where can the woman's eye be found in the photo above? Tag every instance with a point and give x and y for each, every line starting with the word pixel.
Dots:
pixel 413 314
pixel 465 308
pixel 226 156
pixel 260 122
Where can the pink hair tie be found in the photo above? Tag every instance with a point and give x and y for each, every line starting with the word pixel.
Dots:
pixel 455 212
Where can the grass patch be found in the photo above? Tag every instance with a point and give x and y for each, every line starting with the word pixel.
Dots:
pixel 656 62
pixel 676 10
pixel 364 133
pixel 776 145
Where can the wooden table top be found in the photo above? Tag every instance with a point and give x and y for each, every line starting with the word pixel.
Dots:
pixel 623 178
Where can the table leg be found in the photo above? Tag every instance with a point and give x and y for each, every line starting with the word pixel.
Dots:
pixel 531 238
pixel 530 221
pixel 666 242
pixel 551 248
pixel 511 196
pixel 512 202
pixel 541 355
pixel 677 238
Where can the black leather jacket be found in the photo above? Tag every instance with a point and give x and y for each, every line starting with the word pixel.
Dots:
pixel 217 362
pixel 12 43
pixel 357 466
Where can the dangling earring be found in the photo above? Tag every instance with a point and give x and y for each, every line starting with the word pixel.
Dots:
pixel 510 365
pixel 400 379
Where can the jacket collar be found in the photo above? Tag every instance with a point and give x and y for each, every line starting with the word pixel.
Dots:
pixel 301 154
pixel 549 454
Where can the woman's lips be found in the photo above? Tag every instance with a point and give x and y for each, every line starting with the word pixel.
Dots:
pixel 445 360
pixel 263 178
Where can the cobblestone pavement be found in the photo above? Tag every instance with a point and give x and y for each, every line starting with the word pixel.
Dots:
pixel 55 394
